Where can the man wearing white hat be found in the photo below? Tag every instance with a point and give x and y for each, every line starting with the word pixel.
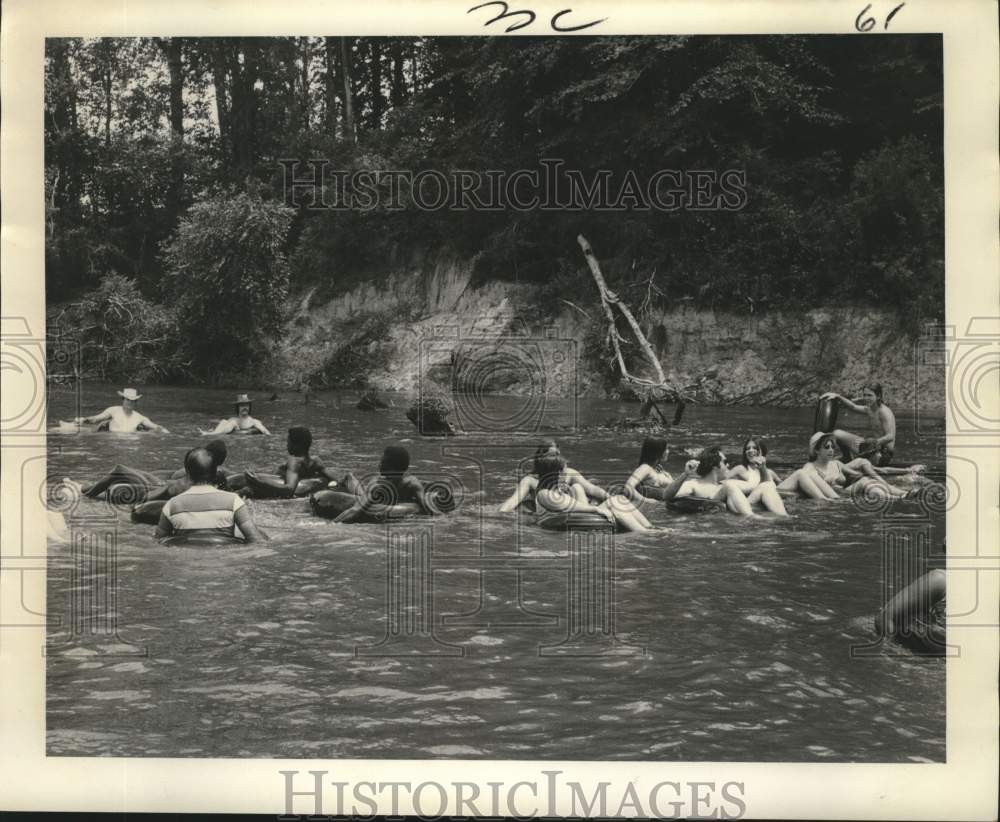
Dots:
pixel 242 423
pixel 123 419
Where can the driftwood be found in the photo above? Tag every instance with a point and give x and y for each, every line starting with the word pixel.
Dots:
pixel 651 391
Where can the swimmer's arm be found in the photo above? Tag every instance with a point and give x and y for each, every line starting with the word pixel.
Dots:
pixel 743 478
pixel 635 480
pixel 858 468
pixel 915 599
pixel 524 487
pixel 152 426
pixel 351 514
pixel 592 490
pixel 163 527
pixel 415 488
pixel 244 521
pixel 224 427
pixel 261 427
pixel 106 414
pixel 674 489
pixel 773 476
pixel 860 409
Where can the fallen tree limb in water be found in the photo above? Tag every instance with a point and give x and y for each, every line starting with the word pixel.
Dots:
pixel 650 391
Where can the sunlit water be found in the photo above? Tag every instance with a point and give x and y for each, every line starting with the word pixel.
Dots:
pixel 734 637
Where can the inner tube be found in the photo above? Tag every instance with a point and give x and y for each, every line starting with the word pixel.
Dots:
pixel 694 505
pixel 825 418
pixel 202 538
pixel 330 504
pixel 574 521
pixel 148 513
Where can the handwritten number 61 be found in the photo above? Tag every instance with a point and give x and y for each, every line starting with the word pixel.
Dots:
pixel 868 23
pixel 554 22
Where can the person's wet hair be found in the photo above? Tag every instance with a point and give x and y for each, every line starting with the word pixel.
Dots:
pixel 218 450
pixel 200 465
pixel 550 468
pixel 299 440
pixel 652 451
pixel 395 460
pixel 546 448
pixel 709 459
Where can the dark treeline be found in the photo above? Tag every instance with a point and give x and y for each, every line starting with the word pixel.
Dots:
pixel 164 187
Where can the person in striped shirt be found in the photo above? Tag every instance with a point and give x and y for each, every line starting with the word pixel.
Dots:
pixel 203 508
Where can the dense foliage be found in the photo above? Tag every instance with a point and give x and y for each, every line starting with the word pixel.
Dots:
pixel 840 139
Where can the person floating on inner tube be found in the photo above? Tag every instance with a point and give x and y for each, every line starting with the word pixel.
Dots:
pixel 880 449
pixel 242 423
pixel 299 476
pixel 755 479
pixel 393 486
pixel 525 491
pixel 554 493
pixel 825 475
pixel 916 615
pixel 123 419
pixel 709 480
pixel 153 485
pixel 649 478
pixel 203 509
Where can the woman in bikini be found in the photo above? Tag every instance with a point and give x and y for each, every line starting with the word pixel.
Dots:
pixel 824 476
pixel 555 493
pixel 755 479
pixel 649 478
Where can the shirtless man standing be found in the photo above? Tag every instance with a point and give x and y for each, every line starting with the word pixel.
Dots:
pixel 878 450
pixel 123 419
pixel 242 423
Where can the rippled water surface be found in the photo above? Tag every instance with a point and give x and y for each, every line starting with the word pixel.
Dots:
pixel 733 641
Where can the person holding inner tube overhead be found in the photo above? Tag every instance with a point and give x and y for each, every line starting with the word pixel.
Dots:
pixel 123 419
pixel 555 494
pixel 298 476
pixel 878 450
pixel 242 423
pixel 204 510
pixel 758 482
pixel 709 480
pixel 825 475
pixel 524 494
pixel 649 478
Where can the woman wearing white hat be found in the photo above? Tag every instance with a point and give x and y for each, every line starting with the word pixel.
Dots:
pixel 825 475
pixel 242 423
pixel 123 419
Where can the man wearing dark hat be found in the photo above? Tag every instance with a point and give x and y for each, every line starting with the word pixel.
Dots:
pixel 123 419
pixel 242 423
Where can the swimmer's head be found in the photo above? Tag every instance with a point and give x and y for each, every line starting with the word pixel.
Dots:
pixel 218 450
pixel 822 443
pixel 710 459
pixel 546 448
pixel 872 391
pixel 754 447
pixel 129 398
pixel 243 404
pixel 395 460
pixel 299 441
pixel 653 451
pixel 549 469
pixel 200 465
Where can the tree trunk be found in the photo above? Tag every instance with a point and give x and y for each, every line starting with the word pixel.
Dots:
pixel 219 72
pixel 398 78
pixel 375 82
pixel 171 48
pixel 304 100
pixel 345 73
pixel 330 86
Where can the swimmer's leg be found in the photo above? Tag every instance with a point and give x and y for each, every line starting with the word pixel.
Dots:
pixel 876 488
pixel 767 495
pixel 620 506
pixel 124 475
pixel 848 443
pixel 350 484
pixel 735 500
pixel 267 486
pixel 808 485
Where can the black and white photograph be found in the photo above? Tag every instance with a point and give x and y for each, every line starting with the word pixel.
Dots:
pixel 538 393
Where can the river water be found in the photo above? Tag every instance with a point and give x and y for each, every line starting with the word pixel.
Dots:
pixel 732 640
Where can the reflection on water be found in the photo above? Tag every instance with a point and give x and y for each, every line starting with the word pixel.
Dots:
pixel 262 651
